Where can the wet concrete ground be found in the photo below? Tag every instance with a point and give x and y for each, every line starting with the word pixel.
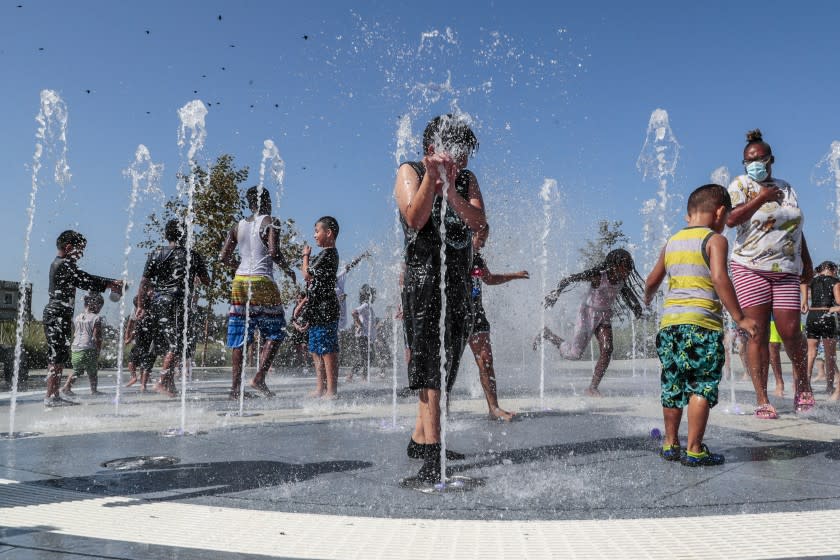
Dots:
pixel 567 458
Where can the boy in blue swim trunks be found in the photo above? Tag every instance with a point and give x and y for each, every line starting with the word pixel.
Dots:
pixel 690 339
pixel 322 307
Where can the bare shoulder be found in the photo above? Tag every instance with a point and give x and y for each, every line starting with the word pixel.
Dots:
pixel 717 240
pixel 407 174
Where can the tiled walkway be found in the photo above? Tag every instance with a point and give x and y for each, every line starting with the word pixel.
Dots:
pixel 573 478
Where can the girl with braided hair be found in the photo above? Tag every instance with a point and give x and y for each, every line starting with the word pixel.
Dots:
pixel 614 284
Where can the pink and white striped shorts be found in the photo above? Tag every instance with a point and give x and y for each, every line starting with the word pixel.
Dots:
pixel 757 287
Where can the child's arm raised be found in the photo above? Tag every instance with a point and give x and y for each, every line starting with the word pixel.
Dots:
pixel 416 198
pixel 495 279
pixel 717 247
pixel 655 278
pixel 471 209
pixel 78 278
pixel 304 267
pixel 586 275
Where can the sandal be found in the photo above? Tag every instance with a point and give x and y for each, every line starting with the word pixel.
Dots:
pixel 766 412
pixel 803 402
pixel 671 452
pixel 703 459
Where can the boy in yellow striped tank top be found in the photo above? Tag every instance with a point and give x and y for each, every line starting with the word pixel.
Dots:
pixel 690 339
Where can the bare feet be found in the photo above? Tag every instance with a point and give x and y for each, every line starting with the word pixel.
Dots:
pixel 316 394
pixel 131 381
pixel 262 388
pixel 349 379
pixel 164 390
pixel 500 414
pixel 835 396
pixel 330 396
pixel 779 391
pixel 593 392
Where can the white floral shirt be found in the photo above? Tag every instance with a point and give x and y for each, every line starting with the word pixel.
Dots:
pixel 771 240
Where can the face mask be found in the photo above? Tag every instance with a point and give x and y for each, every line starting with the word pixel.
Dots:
pixel 757 170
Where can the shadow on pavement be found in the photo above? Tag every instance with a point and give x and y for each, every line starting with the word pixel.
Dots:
pixel 188 480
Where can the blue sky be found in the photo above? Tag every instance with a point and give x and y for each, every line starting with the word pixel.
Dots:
pixel 563 91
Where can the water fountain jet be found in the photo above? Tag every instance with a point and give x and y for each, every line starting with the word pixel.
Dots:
pixel 52 130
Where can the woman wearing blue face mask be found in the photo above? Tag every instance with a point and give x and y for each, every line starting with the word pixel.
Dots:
pixel 769 261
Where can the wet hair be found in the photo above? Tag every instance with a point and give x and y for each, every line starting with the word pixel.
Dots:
pixel 330 223
pixel 754 137
pixel 367 294
pixel 629 300
pixel 826 265
pixel 70 237
pixel 619 257
pixel 708 198
pixel 630 295
pixel 257 200
pixel 451 132
pixel 174 231
pixel 94 299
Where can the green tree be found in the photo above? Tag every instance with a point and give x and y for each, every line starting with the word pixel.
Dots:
pixel 218 204
pixel 610 236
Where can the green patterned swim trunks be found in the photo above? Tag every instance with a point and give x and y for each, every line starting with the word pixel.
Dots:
pixel 692 361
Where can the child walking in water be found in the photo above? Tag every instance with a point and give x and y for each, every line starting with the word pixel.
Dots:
pixel 480 339
pixel 65 277
pixel 87 343
pixel 614 281
pixel 690 339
